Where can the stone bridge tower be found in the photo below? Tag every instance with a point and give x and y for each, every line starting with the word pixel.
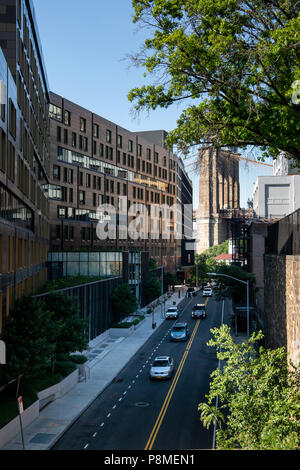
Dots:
pixel 218 191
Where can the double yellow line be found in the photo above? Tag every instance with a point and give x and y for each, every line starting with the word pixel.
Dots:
pixel 164 408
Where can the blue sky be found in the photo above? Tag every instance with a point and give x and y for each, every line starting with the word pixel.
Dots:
pixel 85 45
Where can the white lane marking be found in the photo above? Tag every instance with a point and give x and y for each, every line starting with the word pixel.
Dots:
pixel 101 425
pixel 124 393
pixel 120 398
pixel 114 407
pixel 108 415
pixel 86 446
pixel 95 434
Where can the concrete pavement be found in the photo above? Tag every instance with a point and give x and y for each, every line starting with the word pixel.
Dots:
pixel 106 358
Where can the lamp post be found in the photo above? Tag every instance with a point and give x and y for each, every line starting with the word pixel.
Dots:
pixel 243 282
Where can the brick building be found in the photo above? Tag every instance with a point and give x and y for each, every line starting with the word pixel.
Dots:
pixel 24 155
pixel 94 162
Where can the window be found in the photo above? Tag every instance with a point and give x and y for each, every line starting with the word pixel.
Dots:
pixel 58 134
pixel 12 119
pixel 80 142
pixel 88 180
pixel 56 172
pixel 85 144
pixel 120 141
pixel 81 197
pixel 101 150
pixel 124 158
pixel 155 157
pixel 108 136
pixel 67 118
pixel 81 179
pixel 55 112
pixel 139 150
pixel 149 154
pixel 94 147
pixel 71 194
pixel 96 130
pixel 66 136
pixel 130 146
pixel 74 139
pixel 82 125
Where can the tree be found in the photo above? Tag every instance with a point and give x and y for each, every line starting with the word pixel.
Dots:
pixel 153 263
pixel 68 330
pixel 235 63
pixel 259 396
pixel 170 279
pixel 229 288
pixel 123 301
pixel 152 289
pixel 26 335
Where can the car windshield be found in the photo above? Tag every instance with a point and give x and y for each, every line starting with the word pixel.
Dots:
pixel 199 308
pixel 172 309
pixel 178 328
pixel 160 363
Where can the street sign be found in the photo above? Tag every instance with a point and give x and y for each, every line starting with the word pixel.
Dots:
pixel 20 403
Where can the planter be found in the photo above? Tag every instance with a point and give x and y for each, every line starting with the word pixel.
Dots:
pixel 12 428
pixel 59 389
pixel 120 332
pixel 31 413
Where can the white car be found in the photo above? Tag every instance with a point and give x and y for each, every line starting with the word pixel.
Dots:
pixel 162 368
pixel 207 292
pixel 171 313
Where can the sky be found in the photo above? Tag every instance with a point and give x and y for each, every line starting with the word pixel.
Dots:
pixel 86 46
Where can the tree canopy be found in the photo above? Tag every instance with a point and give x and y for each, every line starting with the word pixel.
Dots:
pixel 258 391
pixel 235 63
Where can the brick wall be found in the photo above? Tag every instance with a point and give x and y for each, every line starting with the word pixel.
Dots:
pixel 282 303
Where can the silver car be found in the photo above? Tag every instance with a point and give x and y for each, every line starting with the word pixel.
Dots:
pixel 162 368
pixel 172 312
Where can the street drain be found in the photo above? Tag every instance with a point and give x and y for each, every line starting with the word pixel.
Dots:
pixel 142 404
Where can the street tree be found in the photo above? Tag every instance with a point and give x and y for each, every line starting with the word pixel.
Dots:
pixel 26 335
pixel 123 301
pixel 69 331
pixel 234 64
pixel 258 396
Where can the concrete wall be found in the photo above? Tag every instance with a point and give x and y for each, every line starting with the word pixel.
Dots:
pixel 276 196
pixel 282 303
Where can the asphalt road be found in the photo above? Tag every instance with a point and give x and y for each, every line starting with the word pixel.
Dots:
pixel 135 413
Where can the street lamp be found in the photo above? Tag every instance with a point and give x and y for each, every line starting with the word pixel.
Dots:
pixel 243 282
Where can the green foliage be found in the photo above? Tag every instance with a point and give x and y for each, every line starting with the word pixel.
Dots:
pixel 26 335
pixel 228 288
pixel 78 358
pixel 152 289
pixel 124 301
pixel 64 282
pixel 234 65
pixel 215 250
pixel 259 396
pixel 170 279
pixel 153 263
pixel 68 332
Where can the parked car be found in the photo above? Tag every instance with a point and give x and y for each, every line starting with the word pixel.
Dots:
pixel 199 311
pixel 191 292
pixel 162 368
pixel 179 332
pixel 171 313
pixel 207 292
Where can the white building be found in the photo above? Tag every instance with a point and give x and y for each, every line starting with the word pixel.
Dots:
pixel 276 196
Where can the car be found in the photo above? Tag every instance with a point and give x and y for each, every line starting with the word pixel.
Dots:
pixel 171 313
pixel 199 311
pixel 207 292
pixel 179 332
pixel 162 368
pixel 191 291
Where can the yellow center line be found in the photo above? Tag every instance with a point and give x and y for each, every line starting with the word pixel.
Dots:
pixel 163 410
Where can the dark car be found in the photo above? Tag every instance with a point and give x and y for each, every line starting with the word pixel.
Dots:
pixel 179 332
pixel 191 292
pixel 199 311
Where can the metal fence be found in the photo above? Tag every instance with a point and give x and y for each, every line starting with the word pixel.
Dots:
pixel 94 304
pixel 284 235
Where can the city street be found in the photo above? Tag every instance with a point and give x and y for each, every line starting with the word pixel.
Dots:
pixel 134 413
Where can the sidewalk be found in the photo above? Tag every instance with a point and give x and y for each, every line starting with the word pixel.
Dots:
pixel 106 359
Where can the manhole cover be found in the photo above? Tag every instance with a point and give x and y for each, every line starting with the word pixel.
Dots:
pixel 142 404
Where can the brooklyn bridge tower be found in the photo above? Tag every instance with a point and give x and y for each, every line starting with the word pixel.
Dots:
pixel 218 192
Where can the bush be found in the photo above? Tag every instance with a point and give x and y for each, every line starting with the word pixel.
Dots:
pixel 122 325
pixel 78 359
pixel 138 320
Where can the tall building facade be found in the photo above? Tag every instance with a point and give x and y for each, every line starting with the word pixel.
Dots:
pixel 96 162
pixel 24 155
pixel 218 191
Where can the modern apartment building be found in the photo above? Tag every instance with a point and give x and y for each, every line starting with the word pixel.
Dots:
pixel 96 162
pixel 24 155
